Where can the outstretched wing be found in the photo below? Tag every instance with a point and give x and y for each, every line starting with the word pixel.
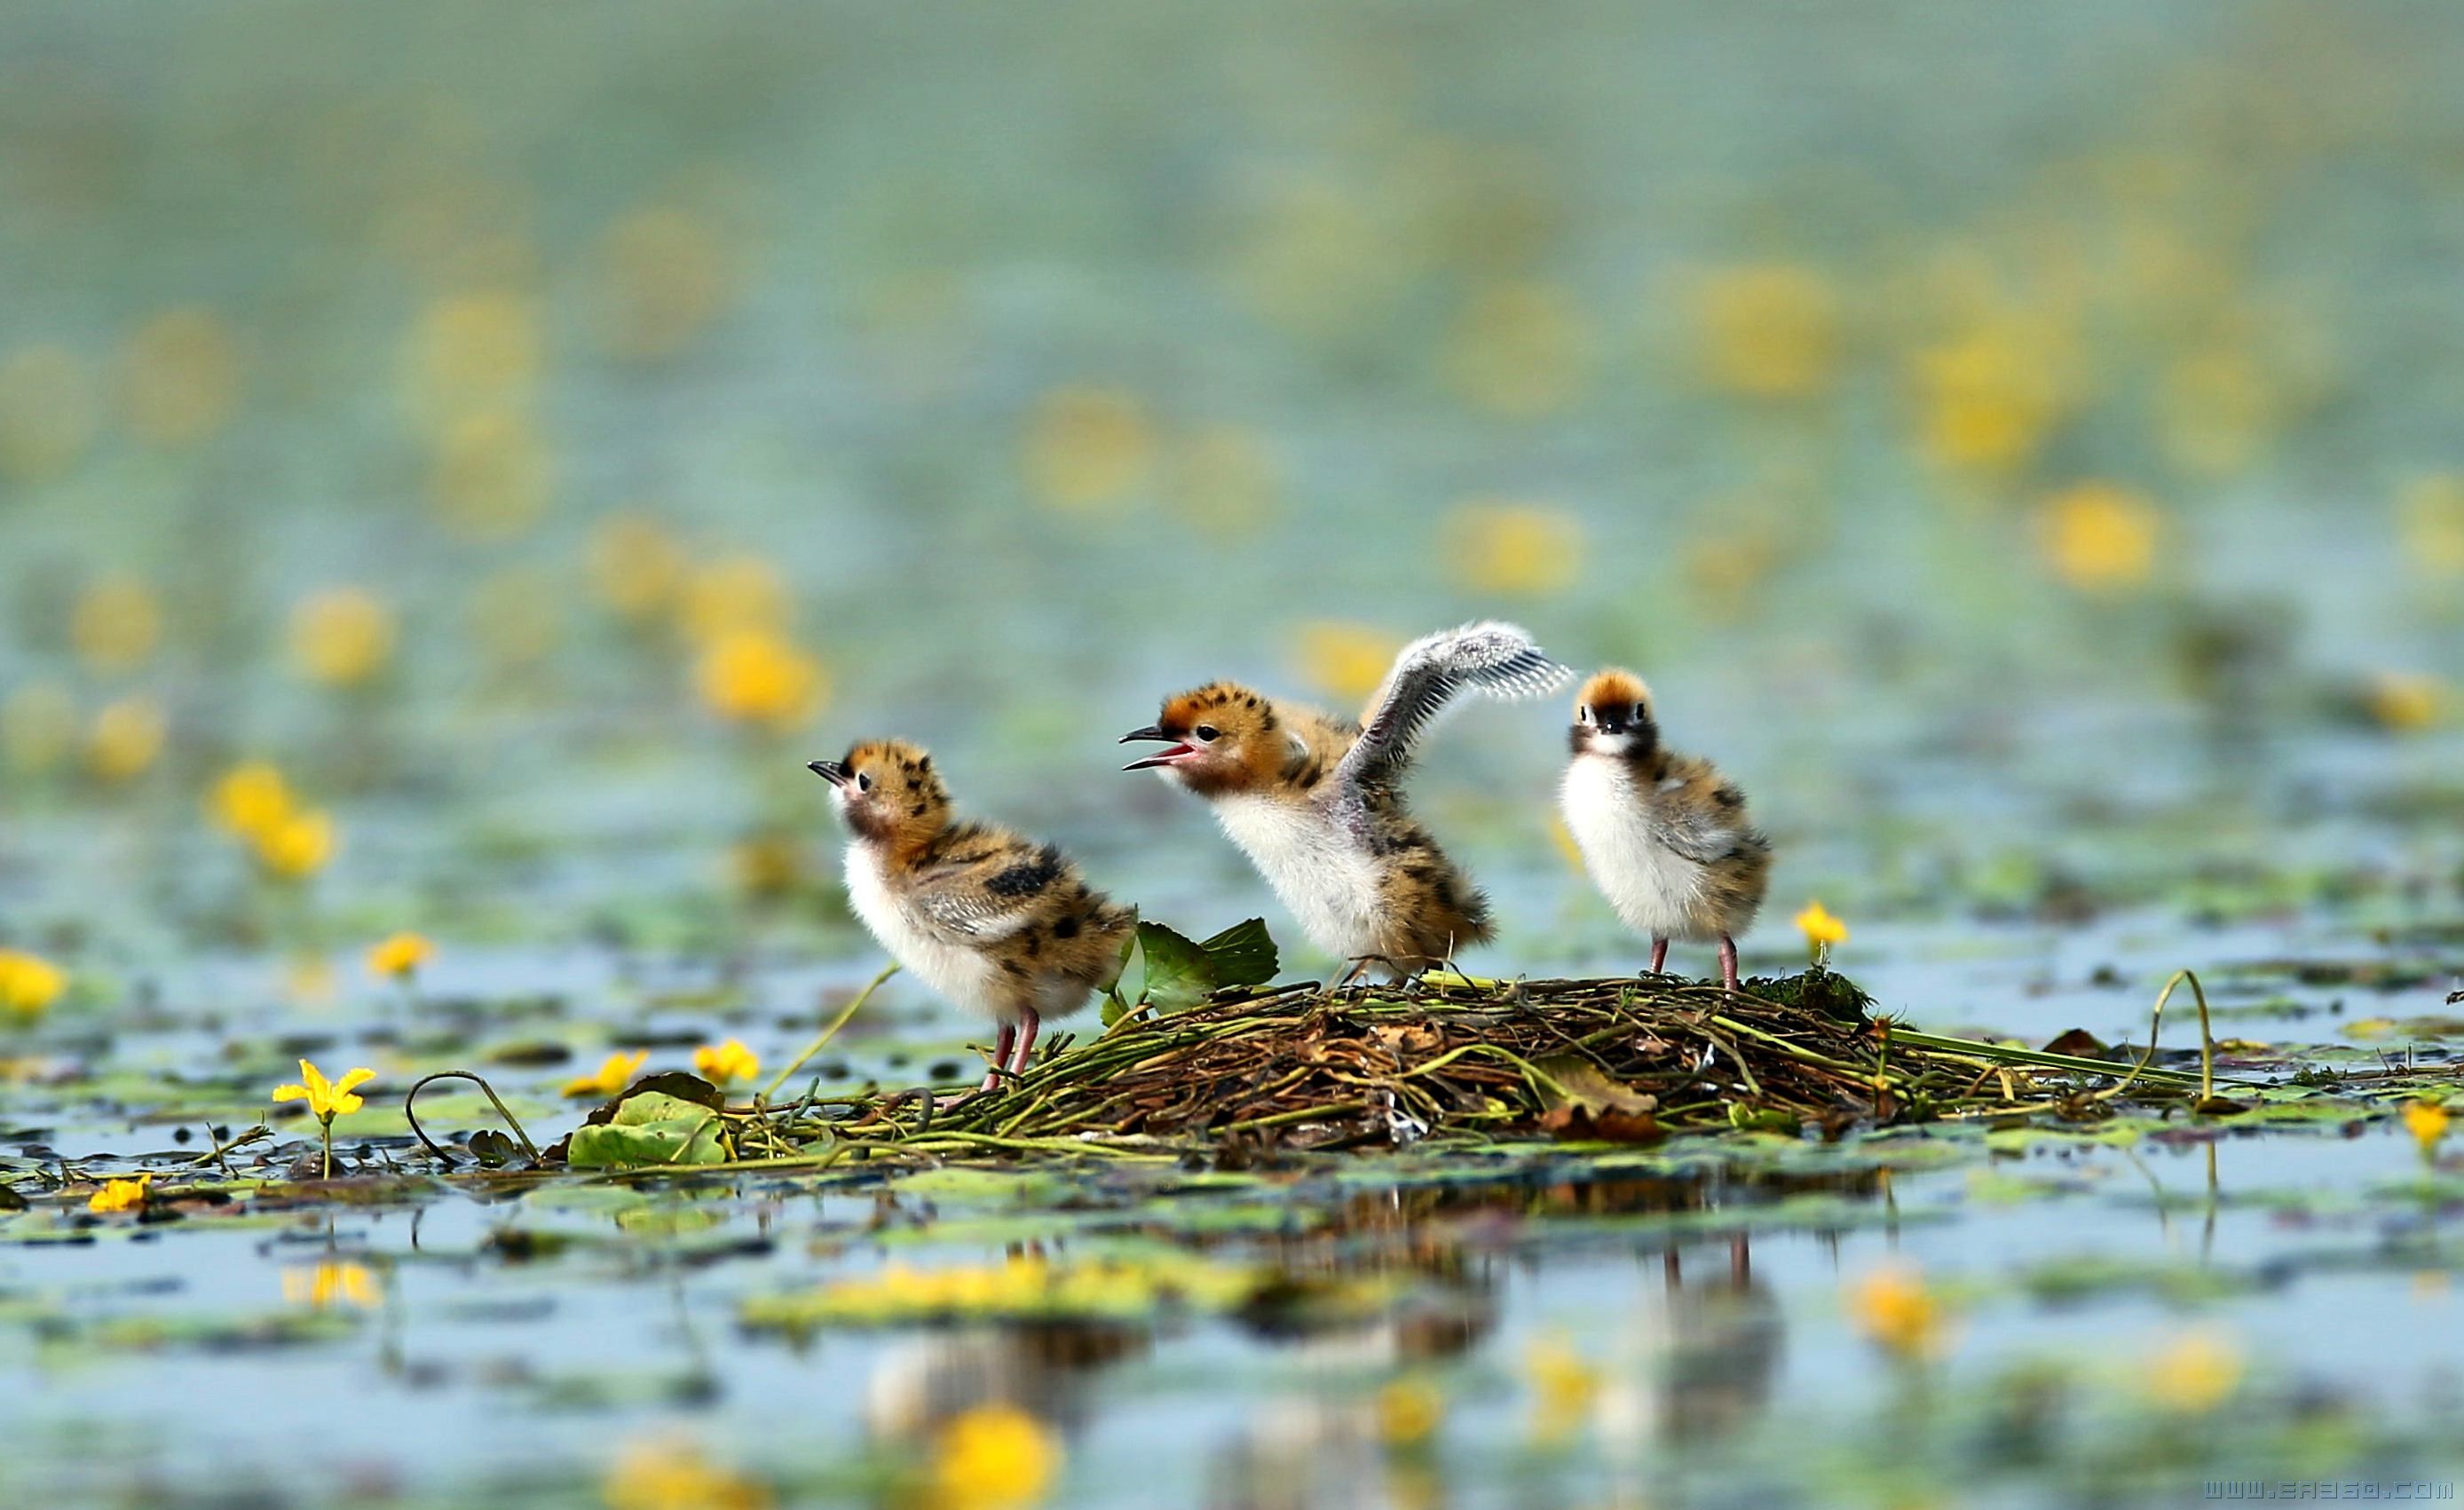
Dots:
pixel 1499 659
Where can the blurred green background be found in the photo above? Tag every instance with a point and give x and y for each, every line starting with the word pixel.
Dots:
pixel 514 439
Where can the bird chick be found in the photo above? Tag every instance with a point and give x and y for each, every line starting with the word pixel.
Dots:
pixel 1664 836
pixel 1315 801
pixel 997 923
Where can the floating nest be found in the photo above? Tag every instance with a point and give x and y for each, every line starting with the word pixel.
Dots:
pixel 1626 1060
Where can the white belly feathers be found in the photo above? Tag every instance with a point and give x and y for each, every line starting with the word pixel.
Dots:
pixel 1654 890
pixel 962 976
pixel 1328 885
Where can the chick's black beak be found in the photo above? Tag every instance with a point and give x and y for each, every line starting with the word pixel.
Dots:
pixel 829 771
pixel 1150 732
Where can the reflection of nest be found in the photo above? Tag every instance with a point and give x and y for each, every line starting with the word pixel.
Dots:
pixel 1617 1059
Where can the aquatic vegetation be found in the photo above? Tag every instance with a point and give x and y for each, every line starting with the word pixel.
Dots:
pixel 613 1075
pixel 723 1063
pixel 119 1196
pixel 1822 930
pixel 676 1475
pixel 29 985
pixel 326 1100
pixel 1896 1310
pixel 332 1283
pixel 993 1458
pixel 400 956
pixel 1564 1386
pixel 2195 1373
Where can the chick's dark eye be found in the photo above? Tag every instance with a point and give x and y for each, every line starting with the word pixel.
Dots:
pixel 862 783
pixel 1205 732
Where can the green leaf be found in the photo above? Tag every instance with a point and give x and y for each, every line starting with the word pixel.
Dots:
pixel 1178 973
pixel 650 1128
pixel 1242 954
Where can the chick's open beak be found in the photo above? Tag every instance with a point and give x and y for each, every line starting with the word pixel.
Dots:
pixel 1179 751
pixel 829 771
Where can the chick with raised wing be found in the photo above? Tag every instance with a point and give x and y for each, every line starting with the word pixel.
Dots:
pixel 1316 803
pixel 997 923
pixel 1664 836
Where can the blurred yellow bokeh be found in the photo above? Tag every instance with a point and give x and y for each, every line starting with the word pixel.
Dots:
pixel 115 623
pixel 477 352
pixel 298 845
pixel 39 723
pixel 752 676
pixel 1768 331
pixel 2430 515
pixel 676 1475
pixel 1988 397
pixel 249 799
pixel 1520 549
pixel 738 594
pixel 1520 349
pixel 492 475
pixel 2100 536
pixel 2215 409
pixel 342 636
pixel 1343 661
pixel 664 275
pixel 2195 1373
pixel 127 737
pixel 636 564
pixel 181 377
pixel 49 409
pixel 516 617
pixel 1086 448
pixel 2406 703
pixel 1226 481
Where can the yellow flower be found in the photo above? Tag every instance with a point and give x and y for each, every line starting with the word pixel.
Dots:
pixel 994 1458
pixel 119 1196
pixel 1086 447
pixel 755 678
pixel 1821 930
pixel 722 1062
pixel 1409 1412
pixel 330 1284
pixel 1520 349
pixel 490 475
pixel 1896 1312
pixel 298 846
pixel 2404 702
pixel 1767 331
pixel 675 1476
pixel 48 411
pixel 766 864
pixel 2098 535
pixel 37 724
pixel 664 275
pixel 182 377
pixel 29 983
pixel 250 799
pixel 613 1075
pixel 340 636
pixel 1345 661
pixel 1563 1386
pixel 2195 1373
pixel 400 955
pixel 1497 547
pixel 2429 513
pixel 739 594
pixel 1990 397
pixel 470 353
pixel 326 1099
pixel 635 563
pixel 127 735
pixel 115 623
pixel 2427 1122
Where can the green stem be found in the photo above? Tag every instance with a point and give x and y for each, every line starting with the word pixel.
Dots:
pixel 827 1034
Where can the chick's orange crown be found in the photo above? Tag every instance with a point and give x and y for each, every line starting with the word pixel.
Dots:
pixel 1221 705
pixel 1614 688
pixel 896 781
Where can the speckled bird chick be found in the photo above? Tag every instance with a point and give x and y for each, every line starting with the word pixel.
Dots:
pixel 997 923
pixel 1664 836
pixel 1315 801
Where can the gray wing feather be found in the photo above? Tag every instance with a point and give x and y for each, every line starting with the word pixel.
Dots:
pixel 1499 659
pixel 958 908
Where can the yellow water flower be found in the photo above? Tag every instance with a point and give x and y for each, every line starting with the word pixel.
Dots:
pixel 1821 930
pixel 342 636
pixel 297 847
pixel 2427 1122
pixel 2404 702
pixel 677 1475
pixel 127 735
pixel 472 353
pixel 39 723
pixel 1564 1384
pixel 614 1073
pixel 636 564
pixel 755 678
pixel 326 1100
pixel 331 1283
pixel 739 594
pixel 1897 1313
pixel 2098 535
pixel 2195 1373
pixel 2430 515
pixel 720 1063
pixel 1988 397
pixel 1492 545
pixel 1342 660
pixel 1409 1412
pixel 1768 331
pixel 182 377
pixel 249 799
pixel 1520 349
pixel 664 275
pixel 994 1458
pixel 120 1195
pixel 49 412
pixel 29 983
pixel 115 623
pixel 400 956
pixel 1086 447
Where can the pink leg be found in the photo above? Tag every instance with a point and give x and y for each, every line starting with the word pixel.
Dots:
pixel 1659 955
pixel 1001 1053
pixel 1728 963
pixel 1027 1027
